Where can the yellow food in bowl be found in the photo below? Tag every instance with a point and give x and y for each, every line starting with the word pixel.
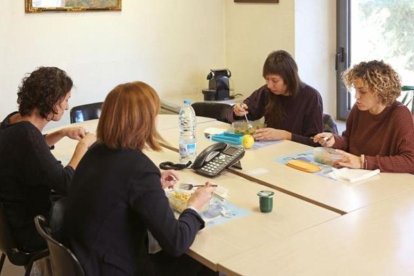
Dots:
pixel 179 200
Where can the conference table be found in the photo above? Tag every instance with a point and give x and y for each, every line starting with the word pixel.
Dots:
pixel 217 243
pixel 376 240
pixel 262 165
pixel 318 224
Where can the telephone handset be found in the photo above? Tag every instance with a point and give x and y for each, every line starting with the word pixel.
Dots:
pixel 216 158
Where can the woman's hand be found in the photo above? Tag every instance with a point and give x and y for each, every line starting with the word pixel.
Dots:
pixel 168 179
pixel 81 149
pixel 349 160
pixel 267 134
pixel 201 196
pixel 326 139
pixel 88 139
pixel 76 133
pixel 240 109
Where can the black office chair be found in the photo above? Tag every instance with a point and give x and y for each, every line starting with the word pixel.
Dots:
pixel 85 112
pixel 408 98
pixel 63 261
pixel 8 248
pixel 329 124
pixel 218 111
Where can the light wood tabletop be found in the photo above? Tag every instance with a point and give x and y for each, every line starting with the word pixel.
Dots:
pixel 164 122
pixel 376 240
pixel 219 242
pixel 262 165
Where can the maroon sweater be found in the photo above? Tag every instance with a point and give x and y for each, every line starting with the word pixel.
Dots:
pixel 386 139
pixel 302 112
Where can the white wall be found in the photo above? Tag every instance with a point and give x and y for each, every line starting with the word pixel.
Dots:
pixel 252 32
pixel 315 45
pixel 306 29
pixel 168 44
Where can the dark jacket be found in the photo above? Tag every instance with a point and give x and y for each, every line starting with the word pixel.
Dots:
pixel 115 197
pixel 28 172
pixel 302 113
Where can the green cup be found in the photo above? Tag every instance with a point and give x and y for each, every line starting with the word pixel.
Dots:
pixel 266 201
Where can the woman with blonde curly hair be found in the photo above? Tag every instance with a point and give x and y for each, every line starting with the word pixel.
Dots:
pixel 379 130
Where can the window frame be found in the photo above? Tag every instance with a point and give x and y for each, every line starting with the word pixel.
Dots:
pixel 342 57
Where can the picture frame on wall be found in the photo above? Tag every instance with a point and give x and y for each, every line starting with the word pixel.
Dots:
pixel 256 1
pixel 34 6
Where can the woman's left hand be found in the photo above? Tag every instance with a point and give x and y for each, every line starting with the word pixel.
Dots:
pixel 348 160
pixel 267 134
pixel 76 133
pixel 168 179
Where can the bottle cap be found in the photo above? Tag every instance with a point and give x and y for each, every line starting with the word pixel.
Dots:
pixel 265 194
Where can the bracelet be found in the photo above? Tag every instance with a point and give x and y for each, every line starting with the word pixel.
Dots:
pixel 364 162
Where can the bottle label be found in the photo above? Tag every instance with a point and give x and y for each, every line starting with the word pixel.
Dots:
pixel 187 150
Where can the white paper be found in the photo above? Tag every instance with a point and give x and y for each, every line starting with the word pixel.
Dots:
pixel 353 175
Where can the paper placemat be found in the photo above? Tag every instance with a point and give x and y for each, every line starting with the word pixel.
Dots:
pixel 342 174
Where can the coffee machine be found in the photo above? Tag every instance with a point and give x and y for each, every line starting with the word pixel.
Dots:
pixel 218 85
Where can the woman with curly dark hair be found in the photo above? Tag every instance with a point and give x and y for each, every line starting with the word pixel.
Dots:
pixel 28 170
pixel 379 130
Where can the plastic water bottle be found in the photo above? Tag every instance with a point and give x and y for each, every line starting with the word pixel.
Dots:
pixel 187 125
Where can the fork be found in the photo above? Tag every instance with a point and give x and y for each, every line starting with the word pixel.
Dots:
pixel 188 186
pixel 249 125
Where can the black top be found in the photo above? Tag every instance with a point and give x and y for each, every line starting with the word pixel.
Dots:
pixel 115 197
pixel 28 172
pixel 302 113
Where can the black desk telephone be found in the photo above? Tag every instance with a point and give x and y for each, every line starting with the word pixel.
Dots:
pixel 216 158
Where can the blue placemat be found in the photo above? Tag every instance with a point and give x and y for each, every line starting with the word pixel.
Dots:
pixel 221 211
pixel 262 144
pixel 306 156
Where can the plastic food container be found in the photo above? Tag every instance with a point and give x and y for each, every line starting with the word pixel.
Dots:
pixel 241 127
pixel 326 155
pixel 179 199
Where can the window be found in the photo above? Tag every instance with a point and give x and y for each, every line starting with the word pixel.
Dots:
pixel 374 29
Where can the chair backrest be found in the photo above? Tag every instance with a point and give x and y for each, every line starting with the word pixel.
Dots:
pixel 6 240
pixel 64 262
pixel 85 112
pixel 8 246
pixel 329 124
pixel 218 111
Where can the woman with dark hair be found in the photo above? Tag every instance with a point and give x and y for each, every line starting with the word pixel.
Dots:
pixel 292 109
pixel 116 196
pixel 28 170
pixel 379 130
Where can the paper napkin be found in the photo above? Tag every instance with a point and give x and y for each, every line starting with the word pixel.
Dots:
pixel 353 175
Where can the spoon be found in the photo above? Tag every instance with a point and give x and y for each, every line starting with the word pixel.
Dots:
pixel 188 186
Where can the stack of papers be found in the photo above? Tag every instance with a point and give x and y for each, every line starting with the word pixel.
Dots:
pixel 353 175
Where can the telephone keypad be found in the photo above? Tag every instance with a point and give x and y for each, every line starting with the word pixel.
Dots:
pixel 221 161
